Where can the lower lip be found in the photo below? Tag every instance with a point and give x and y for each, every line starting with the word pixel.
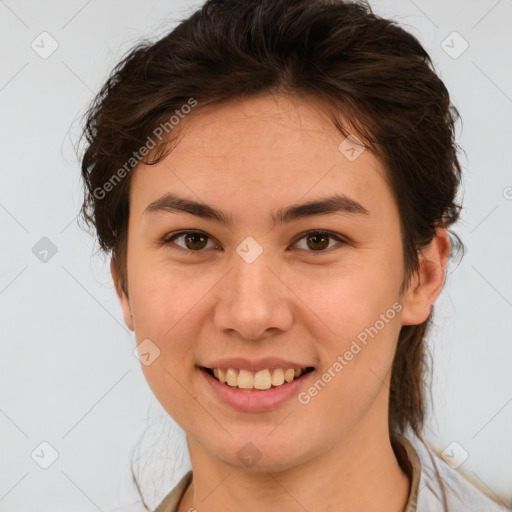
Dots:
pixel 256 400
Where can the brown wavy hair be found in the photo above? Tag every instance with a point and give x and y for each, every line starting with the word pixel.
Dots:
pixel 368 68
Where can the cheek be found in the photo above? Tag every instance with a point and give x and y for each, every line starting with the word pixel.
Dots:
pixel 362 315
pixel 357 361
pixel 166 310
pixel 170 301
pixel 164 297
pixel 350 302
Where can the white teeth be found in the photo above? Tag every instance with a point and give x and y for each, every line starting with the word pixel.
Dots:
pixel 245 380
pixel 231 377
pixel 262 379
pixel 277 377
pixel 289 374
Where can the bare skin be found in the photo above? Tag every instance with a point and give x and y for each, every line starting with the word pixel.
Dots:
pixel 293 301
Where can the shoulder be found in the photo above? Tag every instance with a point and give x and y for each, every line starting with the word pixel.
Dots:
pixel 461 494
pixel 171 502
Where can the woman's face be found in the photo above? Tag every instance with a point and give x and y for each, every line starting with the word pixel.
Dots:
pixel 262 287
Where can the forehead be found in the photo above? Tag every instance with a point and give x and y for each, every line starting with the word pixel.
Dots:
pixel 270 149
pixel 280 126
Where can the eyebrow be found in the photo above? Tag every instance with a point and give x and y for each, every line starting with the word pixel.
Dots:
pixel 338 203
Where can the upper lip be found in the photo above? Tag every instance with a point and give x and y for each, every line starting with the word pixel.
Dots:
pixel 254 365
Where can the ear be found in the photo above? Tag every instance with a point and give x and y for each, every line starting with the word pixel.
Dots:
pixel 427 282
pixel 121 295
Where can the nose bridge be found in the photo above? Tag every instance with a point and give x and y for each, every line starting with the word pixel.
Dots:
pixel 252 280
pixel 253 299
pixel 251 275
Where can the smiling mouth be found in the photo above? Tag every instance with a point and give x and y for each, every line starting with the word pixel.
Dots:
pixel 239 378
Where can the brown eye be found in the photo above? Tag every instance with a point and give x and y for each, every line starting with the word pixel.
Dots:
pixel 318 241
pixel 196 241
pixel 193 241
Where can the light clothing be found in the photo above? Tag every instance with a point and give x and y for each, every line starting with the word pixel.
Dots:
pixel 424 495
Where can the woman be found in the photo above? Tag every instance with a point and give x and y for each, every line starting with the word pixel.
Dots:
pixel 275 181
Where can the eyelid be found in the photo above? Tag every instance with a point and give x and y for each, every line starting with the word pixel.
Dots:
pixel 168 239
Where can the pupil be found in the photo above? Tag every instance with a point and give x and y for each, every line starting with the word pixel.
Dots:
pixel 191 237
pixel 317 236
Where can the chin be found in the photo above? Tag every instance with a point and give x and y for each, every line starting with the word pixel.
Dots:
pixel 260 453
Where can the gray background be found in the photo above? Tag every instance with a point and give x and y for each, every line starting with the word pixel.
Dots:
pixel 68 374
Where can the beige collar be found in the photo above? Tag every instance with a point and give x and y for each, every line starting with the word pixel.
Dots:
pixel 411 465
pixel 404 451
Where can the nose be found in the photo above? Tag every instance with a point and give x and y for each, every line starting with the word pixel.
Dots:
pixel 255 302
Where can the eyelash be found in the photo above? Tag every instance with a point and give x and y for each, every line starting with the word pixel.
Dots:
pixel 173 236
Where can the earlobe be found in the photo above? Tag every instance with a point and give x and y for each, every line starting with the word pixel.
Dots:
pixel 121 295
pixel 428 280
